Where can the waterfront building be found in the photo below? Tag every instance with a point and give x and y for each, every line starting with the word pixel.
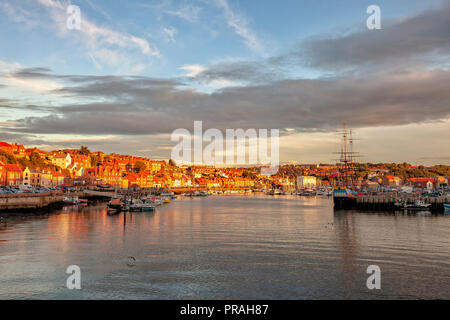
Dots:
pixel 46 178
pixel 81 161
pixel 13 175
pixel 391 181
pixel 2 174
pixel 309 182
pixel 31 177
pixel 110 174
pixel 76 170
pixel 62 160
pixel 422 183
pixel 57 178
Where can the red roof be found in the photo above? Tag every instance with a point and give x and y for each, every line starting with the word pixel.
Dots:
pixel 57 174
pixel 421 179
pixel 13 167
pixel 4 144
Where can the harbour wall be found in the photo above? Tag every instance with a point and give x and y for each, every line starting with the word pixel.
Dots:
pixel 41 202
pixel 29 202
pixel 387 202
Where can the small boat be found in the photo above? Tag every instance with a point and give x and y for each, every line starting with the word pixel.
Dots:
pixel 83 202
pixel 135 207
pixel 70 200
pixel 418 205
pixel 148 207
pixel 111 212
pixel 308 192
pixel 115 204
pixel 447 206
pixel 399 203
pixel 157 201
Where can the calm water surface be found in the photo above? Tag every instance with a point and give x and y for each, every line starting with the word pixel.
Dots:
pixel 226 247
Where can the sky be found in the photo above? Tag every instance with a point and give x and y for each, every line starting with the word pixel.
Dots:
pixel 136 71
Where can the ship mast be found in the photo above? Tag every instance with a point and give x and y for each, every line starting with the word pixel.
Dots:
pixel 346 165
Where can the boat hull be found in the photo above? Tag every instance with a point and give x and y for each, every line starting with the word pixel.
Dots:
pixel 417 208
pixel 115 207
pixel 343 198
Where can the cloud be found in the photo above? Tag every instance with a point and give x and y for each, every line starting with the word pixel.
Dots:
pixel 20 15
pixel 107 46
pixel 6 66
pixel 416 42
pixel 240 26
pixel 239 71
pixel 170 33
pixel 416 39
pixel 187 12
pixel 28 79
pixel 192 70
pixel 142 106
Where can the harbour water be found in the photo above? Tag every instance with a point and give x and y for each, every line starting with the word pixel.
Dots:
pixel 226 247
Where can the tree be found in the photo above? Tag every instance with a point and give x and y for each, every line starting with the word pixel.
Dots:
pixel 95 160
pixel 140 166
pixel 85 151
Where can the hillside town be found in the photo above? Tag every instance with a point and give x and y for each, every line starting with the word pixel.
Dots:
pixel 81 167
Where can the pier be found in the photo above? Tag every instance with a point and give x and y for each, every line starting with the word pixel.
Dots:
pixel 44 202
pixel 30 202
pixel 387 202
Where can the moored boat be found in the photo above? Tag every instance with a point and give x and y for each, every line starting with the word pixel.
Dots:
pixel 308 192
pixel 148 207
pixel 82 202
pixel 418 205
pixel 115 204
pixel 343 197
pixel 70 200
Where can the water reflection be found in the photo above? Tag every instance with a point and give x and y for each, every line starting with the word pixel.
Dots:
pixel 225 247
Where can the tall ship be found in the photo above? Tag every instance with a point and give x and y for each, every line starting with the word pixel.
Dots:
pixel 344 191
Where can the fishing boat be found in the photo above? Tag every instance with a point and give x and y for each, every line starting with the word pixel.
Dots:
pixel 134 205
pixel 321 192
pixel 83 202
pixel 70 200
pixel 157 201
pixel 74 201
pixel 148 206
pixel 418 205
pixel 306 192
pixel 399 203
pixel 115 204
